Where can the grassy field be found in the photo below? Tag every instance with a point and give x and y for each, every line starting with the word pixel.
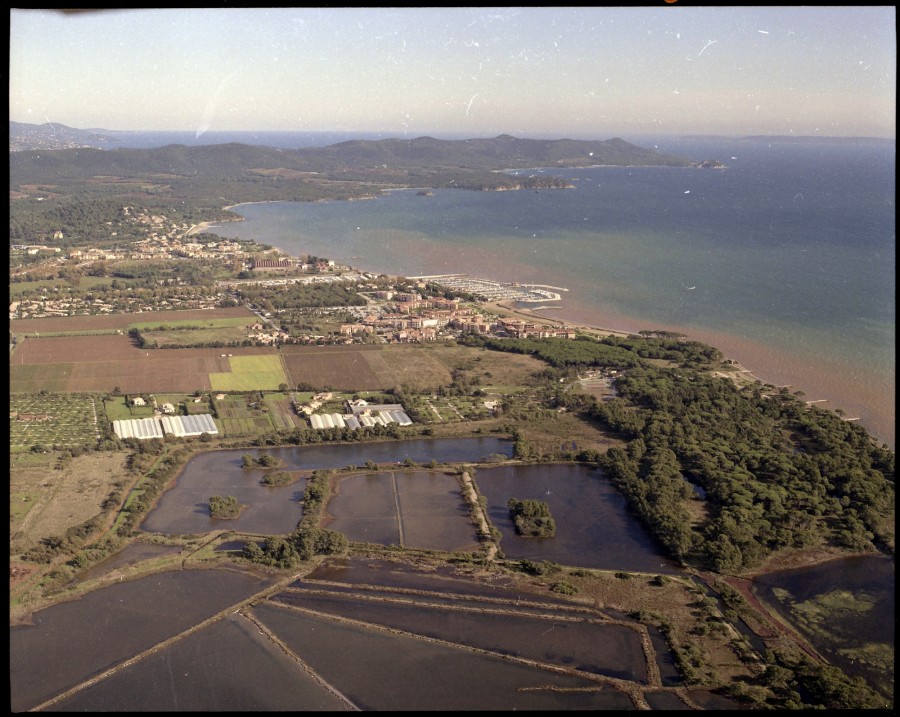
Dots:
pixel 250 373
pixel 20 288
pixel 45 502
pixel 117 409
pixel 228 335
pixel 124 321
pixel 490 368
pixel 187 332
pixel 195 323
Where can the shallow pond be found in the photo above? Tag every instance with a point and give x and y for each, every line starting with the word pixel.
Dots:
pixel 232 665
pixel 72 640
pixel 129 555
pixel 413 509
pixel 845 608
pixel 184 508
pixel 593 526
pixel 424 674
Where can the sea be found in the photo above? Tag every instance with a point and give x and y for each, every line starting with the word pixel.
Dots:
pixel 784 259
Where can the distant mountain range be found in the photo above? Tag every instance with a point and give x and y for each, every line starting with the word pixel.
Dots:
pixel 78 155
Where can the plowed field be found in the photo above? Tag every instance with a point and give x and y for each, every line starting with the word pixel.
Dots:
pixel 102 363
pixel 363 368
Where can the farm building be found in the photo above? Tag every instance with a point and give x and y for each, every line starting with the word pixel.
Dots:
pixel 141 428
pixel 138 401
pixel 375 408
pixel 399 417
pixel 369 421
pixel 189 425
pixel 334 420
pixel 383 414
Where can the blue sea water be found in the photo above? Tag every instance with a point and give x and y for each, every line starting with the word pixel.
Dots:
pixel 784 260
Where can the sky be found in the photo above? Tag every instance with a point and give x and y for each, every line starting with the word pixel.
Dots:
pixel 583 72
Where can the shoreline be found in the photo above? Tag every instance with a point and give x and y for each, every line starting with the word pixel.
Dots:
pixel 866 405
pixel 600 330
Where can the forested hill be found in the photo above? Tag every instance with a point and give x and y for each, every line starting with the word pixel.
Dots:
pixel 502 152
pixel 423 153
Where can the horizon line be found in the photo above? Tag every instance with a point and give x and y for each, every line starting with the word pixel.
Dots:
pixel 489 134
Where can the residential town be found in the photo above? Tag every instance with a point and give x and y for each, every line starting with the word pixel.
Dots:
pixel 391 315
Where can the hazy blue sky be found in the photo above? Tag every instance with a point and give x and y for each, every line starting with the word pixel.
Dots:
pixel 481 71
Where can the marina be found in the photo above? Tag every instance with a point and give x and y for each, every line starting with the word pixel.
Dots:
pixel 496 290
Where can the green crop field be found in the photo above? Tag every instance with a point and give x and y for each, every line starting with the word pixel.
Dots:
pixel 250 373
pixel 194 332
pixel 226 331
pixel 194 323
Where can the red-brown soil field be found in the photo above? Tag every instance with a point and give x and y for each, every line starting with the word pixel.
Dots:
pixel 100 363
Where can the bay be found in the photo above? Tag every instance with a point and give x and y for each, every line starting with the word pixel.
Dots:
pixel 784 260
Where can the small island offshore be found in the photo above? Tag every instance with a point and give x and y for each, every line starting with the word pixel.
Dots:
pixel 342 468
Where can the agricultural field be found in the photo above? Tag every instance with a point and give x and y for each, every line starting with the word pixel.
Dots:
pixel 53 419
pixel 281 413
pixel 250 373
pixel 189 332
pixel 363 368
pixel 443 409
pixel 104 363
pixel 193 407
pixel 74 324
pixel 243 415
pixel 101 364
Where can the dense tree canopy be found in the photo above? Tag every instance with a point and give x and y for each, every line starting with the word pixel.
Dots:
pixel 769 471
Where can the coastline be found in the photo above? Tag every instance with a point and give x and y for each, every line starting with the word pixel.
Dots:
pixel 824 382
pixel 740 374
pixel 503 307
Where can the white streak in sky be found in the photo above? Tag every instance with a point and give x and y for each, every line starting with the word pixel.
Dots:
pixel 705 46
pixel 212 105
pixel 469 106
pixel 764 32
